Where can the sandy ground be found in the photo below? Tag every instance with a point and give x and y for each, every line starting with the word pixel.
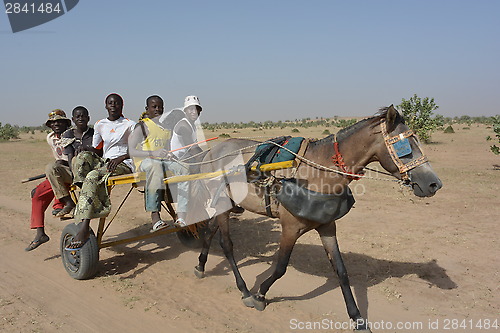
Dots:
pixel 416 265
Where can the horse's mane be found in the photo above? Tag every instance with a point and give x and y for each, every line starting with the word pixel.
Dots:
pixel 372 121
pixel 348 131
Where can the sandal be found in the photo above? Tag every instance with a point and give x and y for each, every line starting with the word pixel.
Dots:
pixel 180 223
pixel 159 225
pixel 36 243
pixel 66 213
pixel 76 245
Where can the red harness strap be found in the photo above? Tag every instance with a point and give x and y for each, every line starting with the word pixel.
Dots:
pixel 339 161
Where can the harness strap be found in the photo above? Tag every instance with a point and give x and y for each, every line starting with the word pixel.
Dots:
pixel 339 162
pixel 389 141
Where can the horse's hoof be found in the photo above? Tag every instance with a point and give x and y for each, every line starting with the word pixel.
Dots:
pixel 259 303
pixel 199 273
pixel 248 301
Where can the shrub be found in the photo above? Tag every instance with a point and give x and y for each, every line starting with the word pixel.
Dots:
pixel 496 128
pixel 418 114
pixel 295 130
pixel 449 129
pixel 8 132
pixel 326 132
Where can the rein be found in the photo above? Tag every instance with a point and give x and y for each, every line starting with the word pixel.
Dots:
pixel 337 158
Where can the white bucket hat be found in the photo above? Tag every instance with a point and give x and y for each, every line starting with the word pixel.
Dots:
pixel 191 100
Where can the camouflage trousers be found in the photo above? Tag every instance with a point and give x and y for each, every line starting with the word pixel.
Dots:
pixel 90 172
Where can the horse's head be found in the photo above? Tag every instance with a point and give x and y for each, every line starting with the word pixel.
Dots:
pixel 401 155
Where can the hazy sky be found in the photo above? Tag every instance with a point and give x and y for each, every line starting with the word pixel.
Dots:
pixel 255 60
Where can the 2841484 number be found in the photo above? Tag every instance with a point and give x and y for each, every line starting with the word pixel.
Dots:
pixel 470 324
pixel 43 8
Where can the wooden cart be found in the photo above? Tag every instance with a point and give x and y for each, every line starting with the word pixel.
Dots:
pixel 83 263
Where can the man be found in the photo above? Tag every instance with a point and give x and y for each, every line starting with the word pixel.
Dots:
pixel 59 173
pixel 91 171
pixel 42 195
pixel 150 147
pixel 184 133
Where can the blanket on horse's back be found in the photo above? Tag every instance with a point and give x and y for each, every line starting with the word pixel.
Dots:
pixel 271 153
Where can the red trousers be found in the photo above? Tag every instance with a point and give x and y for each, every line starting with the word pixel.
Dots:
pixel 41 196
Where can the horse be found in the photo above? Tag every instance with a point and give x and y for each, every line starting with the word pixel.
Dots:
pixel 327 166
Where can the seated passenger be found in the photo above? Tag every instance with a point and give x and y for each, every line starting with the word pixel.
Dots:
pixel 184 133
pixel 150 147
pixel 79 138
pixel 91 172
pixel 42 195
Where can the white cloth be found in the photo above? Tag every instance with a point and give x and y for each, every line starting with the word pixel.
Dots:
pixel 112 137
pixel 57 146
pixel 176 143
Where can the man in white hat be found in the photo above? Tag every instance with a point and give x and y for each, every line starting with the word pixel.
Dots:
pixel 184 132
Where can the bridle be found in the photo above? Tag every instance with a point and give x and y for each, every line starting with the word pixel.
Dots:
pixel 398 147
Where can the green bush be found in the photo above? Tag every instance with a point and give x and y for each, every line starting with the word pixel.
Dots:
pixel 326 132
pixel 418 114
pixel 8 132
pixel 449 129
pixel 496 128
pixel 295 130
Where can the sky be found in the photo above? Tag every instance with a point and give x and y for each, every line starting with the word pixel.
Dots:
pixel 255 60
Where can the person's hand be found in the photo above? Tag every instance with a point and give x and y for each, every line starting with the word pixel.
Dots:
pixel 112 164
pixel 162 154
pixel 82 148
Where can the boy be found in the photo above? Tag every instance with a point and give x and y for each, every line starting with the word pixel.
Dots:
pixel 150 146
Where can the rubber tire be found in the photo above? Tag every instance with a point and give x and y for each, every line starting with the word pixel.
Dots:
pixel 189 240
pixel 81 264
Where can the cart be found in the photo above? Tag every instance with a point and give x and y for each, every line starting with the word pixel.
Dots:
pixel 83 263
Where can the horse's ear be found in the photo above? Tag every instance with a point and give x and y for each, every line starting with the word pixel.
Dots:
pixel 390 118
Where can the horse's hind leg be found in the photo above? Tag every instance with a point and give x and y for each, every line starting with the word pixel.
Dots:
pixel 212 226
pixel 227 246
pixel 328 236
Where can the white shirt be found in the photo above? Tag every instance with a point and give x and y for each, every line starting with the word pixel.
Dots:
pixel 112 137
pixel 176 143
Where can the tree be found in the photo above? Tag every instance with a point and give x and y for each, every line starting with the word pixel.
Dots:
pixel 496 127
pixel 418 114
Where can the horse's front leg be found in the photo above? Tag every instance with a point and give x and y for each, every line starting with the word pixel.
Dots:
pixel 227 246
pixel 289 236
pixel 328 236
pixel 212 226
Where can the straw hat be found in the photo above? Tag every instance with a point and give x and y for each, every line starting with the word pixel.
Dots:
pixel 192 100
pixel 57 114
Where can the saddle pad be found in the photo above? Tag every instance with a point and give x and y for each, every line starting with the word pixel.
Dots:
pixel 270 153
pixel 283 155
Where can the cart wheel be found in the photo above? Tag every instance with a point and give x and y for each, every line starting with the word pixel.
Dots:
pixel 189 239
pixel 80 264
